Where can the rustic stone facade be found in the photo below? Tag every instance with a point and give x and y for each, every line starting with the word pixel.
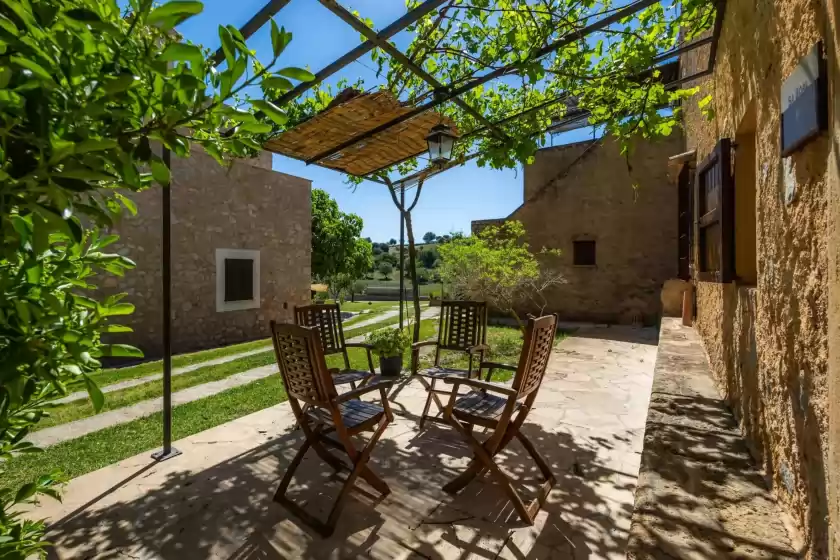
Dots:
pixel 772 342
pixel 248 207
pixel 585 192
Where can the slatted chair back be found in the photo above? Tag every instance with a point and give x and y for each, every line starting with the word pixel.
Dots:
pixel 327 318
pixel 463 325
pixel 302 365
pixel 536 351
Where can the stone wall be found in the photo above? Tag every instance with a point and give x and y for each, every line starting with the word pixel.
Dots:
pixel 248 206
pixel 768 343
pixel 634 229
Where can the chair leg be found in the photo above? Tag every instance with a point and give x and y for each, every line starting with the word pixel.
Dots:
pixel 484 460
pixel 430 388
pixel 359 461
pixel 360 468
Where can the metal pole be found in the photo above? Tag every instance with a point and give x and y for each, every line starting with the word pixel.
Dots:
pixel 166 265
pixel 402 251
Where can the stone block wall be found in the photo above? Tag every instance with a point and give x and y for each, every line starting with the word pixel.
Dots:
pixel 594 198
pixel 247 206
pixel 767 343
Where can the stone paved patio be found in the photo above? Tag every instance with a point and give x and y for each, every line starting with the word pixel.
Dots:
pixel 215 500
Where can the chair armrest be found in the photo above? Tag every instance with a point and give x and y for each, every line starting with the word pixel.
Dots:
pixel 496 365
pixel 477 348
pixel 422 343
pixel 364 345
pixel 483 385
pixel 334 371
pixel 356 393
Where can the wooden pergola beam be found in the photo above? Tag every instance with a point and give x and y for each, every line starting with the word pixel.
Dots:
pixel 362 49
pixel 253 25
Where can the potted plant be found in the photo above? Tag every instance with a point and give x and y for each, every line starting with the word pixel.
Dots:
pixel 389 345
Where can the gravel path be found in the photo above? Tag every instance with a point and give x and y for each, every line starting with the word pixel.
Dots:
pixel 78 428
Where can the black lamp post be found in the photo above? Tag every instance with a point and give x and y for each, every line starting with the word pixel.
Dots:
pixel 441 140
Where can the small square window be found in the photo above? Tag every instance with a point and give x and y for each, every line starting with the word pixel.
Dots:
pixel 583 253
pixel 237 279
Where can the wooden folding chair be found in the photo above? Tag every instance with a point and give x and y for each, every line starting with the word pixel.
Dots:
pixel 307 380
pixel 462 327
pixel 504 415
pixel 327 318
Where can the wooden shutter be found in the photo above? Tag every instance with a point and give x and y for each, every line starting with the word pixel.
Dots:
pixel 714 214
pixel 685 224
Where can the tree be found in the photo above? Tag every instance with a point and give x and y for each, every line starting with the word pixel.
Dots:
pixel 385 269
pixel 392 241
pixel 429 237
pixel 337 247
pixel 428 258
pixel 498 266
pixel 89 94
pixel 340 285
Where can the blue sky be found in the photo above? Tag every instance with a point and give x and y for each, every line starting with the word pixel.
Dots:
pixel 449 201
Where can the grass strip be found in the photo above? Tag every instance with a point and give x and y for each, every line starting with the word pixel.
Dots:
pixel 99 449
pixel 114 400
pixel 115 375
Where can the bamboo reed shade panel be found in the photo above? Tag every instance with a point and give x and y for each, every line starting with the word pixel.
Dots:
pixel 353 118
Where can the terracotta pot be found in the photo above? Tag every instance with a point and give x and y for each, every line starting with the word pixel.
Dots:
pixel 390 367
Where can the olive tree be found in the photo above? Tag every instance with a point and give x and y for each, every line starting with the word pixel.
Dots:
pixel 498 266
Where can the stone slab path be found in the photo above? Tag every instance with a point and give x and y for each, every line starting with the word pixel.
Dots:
pixel 78 428
pixel 700 492
pixel 215 500
pixel 82 395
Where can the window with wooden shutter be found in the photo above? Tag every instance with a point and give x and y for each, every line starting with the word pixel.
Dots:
pixel 714 215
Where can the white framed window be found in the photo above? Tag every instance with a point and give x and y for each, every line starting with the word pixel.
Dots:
pixel 237 279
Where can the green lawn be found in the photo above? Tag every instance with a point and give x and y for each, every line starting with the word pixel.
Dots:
pixel 93 451
pixel 115 375
pixel 99 449
pixel 373 306
pixel 77 410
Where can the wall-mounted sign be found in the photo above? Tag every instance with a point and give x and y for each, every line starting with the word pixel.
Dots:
pixel 804 102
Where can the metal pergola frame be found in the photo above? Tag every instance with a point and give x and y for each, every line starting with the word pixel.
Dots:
pixel 441 94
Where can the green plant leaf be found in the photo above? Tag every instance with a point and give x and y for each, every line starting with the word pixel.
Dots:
pixel 95 393
pixel 277 82
pixel 175 52
pixel 257 128
pixel 32 66
pixel 127 202
pixel 95 145
pixel 297 74
pixel 117 329
pixel 271 110
pixel 279 39
pixel 26 491
pixel 174 12
pixel 160 172
pixel 120 351
pixel 228 46
pixel 118 309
